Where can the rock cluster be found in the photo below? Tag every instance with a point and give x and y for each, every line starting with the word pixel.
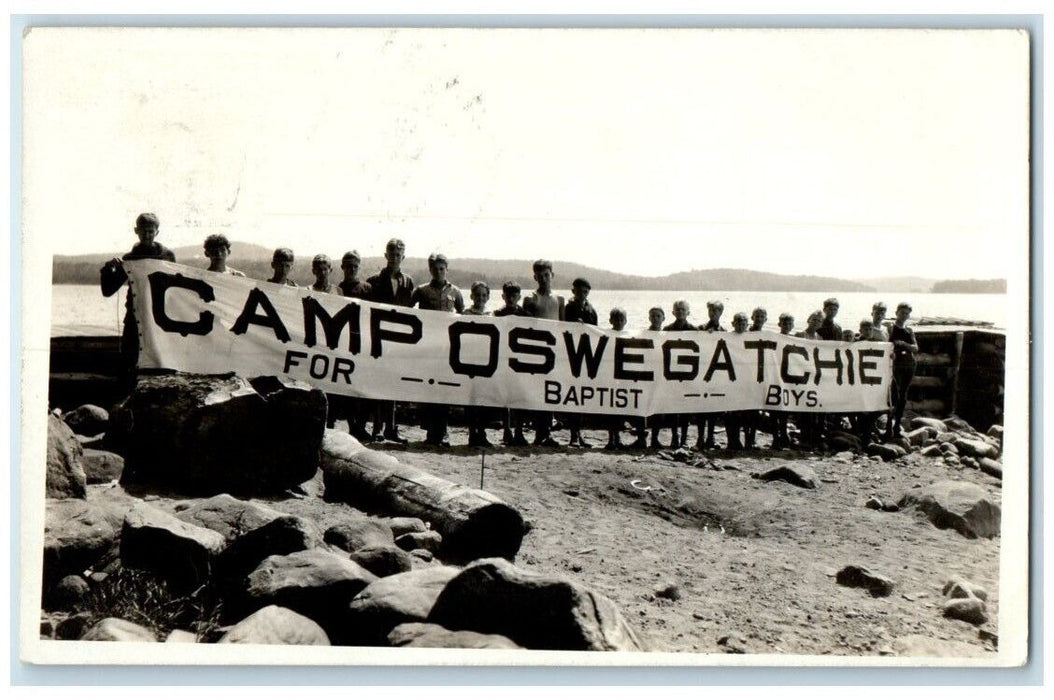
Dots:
pixel 387 579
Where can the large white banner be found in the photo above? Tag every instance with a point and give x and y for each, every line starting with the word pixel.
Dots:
pixel 198 321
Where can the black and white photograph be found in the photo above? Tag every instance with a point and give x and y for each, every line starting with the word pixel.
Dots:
pixel 525 346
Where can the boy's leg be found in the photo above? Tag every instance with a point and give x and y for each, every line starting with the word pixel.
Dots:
pixel 391 429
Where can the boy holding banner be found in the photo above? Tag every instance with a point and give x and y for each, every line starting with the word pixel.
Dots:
pixel 390 286
pixel 542 303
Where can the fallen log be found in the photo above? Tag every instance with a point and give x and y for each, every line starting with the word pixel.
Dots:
pixel 474 524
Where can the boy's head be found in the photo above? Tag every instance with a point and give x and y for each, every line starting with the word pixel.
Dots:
pixel 146 227
pixel 848 335
pixel 815 320
pixel 480 293
pixel 878 312
pixel 759 316
pixel 394 252
pixel 681 309
pixel 437 266
pixel 903 311
pixel 510 292
pixel 866 327
pixel 786 323
pixel 655 317
pixel 740 322
pixel 714 309
pixel 580 288
pixel 217 247
pixel 543 274
pixel 282 262
pixel 321 267
pixel 830 308
pixel 617 318
pixel 349 263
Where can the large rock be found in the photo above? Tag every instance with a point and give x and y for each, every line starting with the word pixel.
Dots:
pixel 315 583
pixel 65 473
pixel 996 431
pixel 798 475
pixel 101 467
pixel 976 448
pixel 970 610
pixel 390 601
pixel 473 523
pixel 113 629
pixel 276 625
pixel 957 588
pixel 204 434
pixel 887 452
pixel 382 561
pixel 181 553
pixel 991 467
pixel 935 423
pixel 534 610
pixel 253 532
pixel 877 585
pixel 920 435
pixel 77 534
pixel 88 420
pixel 429 540
pixel 359 532
pixel 958 505
pixel 429 636
pixel 71 593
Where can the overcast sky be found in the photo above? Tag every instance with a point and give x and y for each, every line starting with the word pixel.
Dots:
pixel 860 153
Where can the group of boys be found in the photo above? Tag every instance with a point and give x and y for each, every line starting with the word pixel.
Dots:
pixel 392 286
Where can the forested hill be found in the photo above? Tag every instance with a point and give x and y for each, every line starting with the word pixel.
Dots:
pixel 970 287
pixel 254 261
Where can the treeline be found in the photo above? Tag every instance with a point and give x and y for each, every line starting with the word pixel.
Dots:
pixel 970 287
pixel 463 272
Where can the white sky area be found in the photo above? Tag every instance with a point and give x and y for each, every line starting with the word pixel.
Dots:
pixel 848 153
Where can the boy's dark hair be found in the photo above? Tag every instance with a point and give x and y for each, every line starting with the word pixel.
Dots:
pixel 147 218
pixel 786 317
pixel 581 283
pixel 479 285
pixel 878 305
pixel 436 258
pixel 217 240
pixel 349 256
pixel 395 244
pixel 740 316
pixel 617 311
pixel 830 302
pixel 657 308
pixel 510 288
pixel 540 265
pixel 321 258
pixel 282 255
pixel 758 310
pixel 715 304
pixel 904 305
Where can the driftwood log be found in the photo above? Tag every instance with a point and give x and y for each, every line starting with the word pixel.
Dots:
pixel 474 524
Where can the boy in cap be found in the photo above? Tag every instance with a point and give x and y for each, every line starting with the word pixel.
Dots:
pixel 321 268
pixel 350 286
pixel 437 295
pixel 542 303
pixel 282 264
pixel 829 330
pixel 112 277
pixel 390 286
pixel 217 250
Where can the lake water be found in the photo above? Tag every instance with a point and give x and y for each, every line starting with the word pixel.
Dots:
pixel 84 305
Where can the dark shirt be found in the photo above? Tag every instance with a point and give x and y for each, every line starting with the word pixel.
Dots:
pixel 356 289
pixel 438 296
pixel 829 330
pixel 113 277
pixel 713 326
pixel 381 288
pixel 583 312
pixel 680 326
pixel 902 356
pixel 514 311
